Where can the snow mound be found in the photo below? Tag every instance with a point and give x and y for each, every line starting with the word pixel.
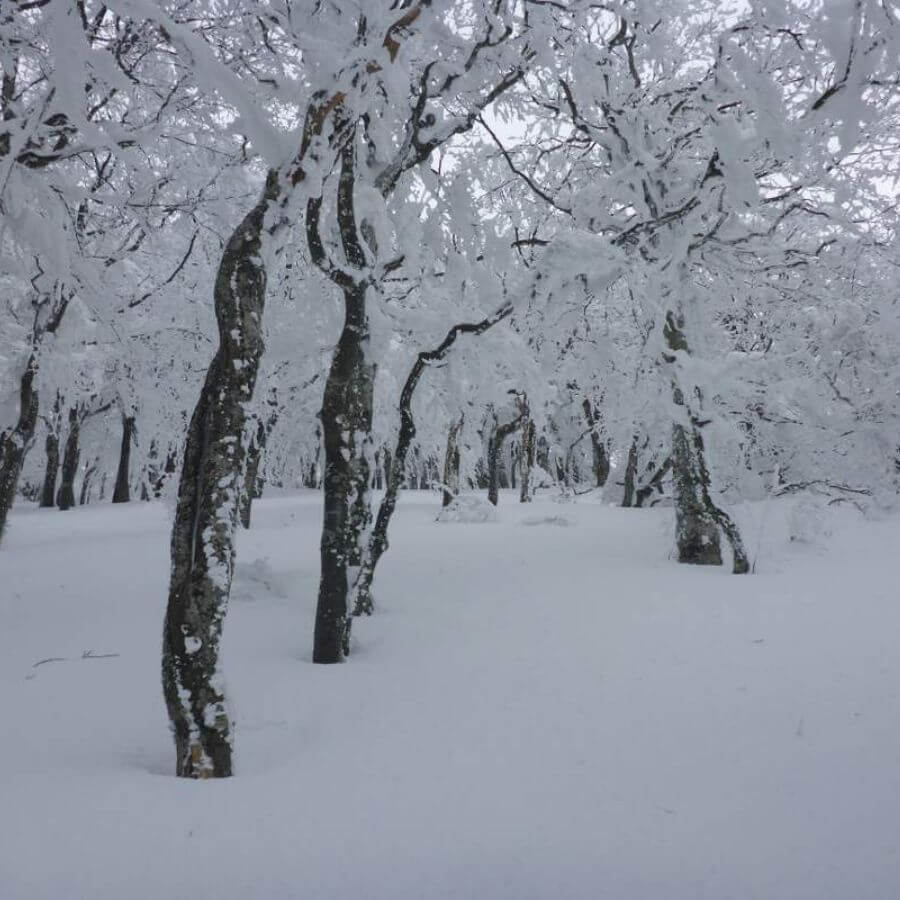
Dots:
pixel 256 578
pixel 470 509
pixel 562 521
pixel 809 521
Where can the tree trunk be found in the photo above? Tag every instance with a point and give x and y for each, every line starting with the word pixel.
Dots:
pixel 206 514
pixel 378 539
pixel 48 492
pixel 252 476
pixel 346 426
pixel 696 531
pixel 84 494
pixel 654 483
pixel 630 474
pixel 14 444
pixel 598 447
pixel 65 496
pixel 697 518
pixel 526 461
pixel 499 434
pixel 451 463
pixel 122 492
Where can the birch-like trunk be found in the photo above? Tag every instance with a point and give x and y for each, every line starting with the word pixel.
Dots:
pixel 206 515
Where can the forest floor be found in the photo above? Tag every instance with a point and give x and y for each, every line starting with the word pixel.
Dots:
pixel 546 706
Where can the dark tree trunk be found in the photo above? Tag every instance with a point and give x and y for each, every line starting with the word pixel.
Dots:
pixel 151 472
pixel 85 492
pixel 122 491
pixel 526 461
pixel 170 468
pixel 377 473
pixel 253 483
pixel 654 482
pixel 697 518
pixel 206 515
pixel 378 541
pixel 65 497
pixel 14 444
pixel 696 531
pixel 499 434
pixel 630 474
pixel 387 465
pixel 451 463
pixel 598 447
pixel 346 425
pixel 48 491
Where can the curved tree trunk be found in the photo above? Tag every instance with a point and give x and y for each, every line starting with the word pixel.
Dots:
pixel 65 496
pixel 206 514
pixel 122 491
pixel 378 540
pixel 14 444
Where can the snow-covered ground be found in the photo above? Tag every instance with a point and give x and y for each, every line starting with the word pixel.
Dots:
pixel 545 706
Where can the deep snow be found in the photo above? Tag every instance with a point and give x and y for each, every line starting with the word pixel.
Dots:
pixel 534 711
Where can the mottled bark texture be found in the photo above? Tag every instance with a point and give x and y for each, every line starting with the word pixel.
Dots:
pixel 65 496
pixel 499 433
pixel 14 444
pixel 346 416
pixel 526 460
pixel 122 490
pixel 697 518
pixel 206 515
pixel 601 463
pixel 346 426
pixel 451 463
